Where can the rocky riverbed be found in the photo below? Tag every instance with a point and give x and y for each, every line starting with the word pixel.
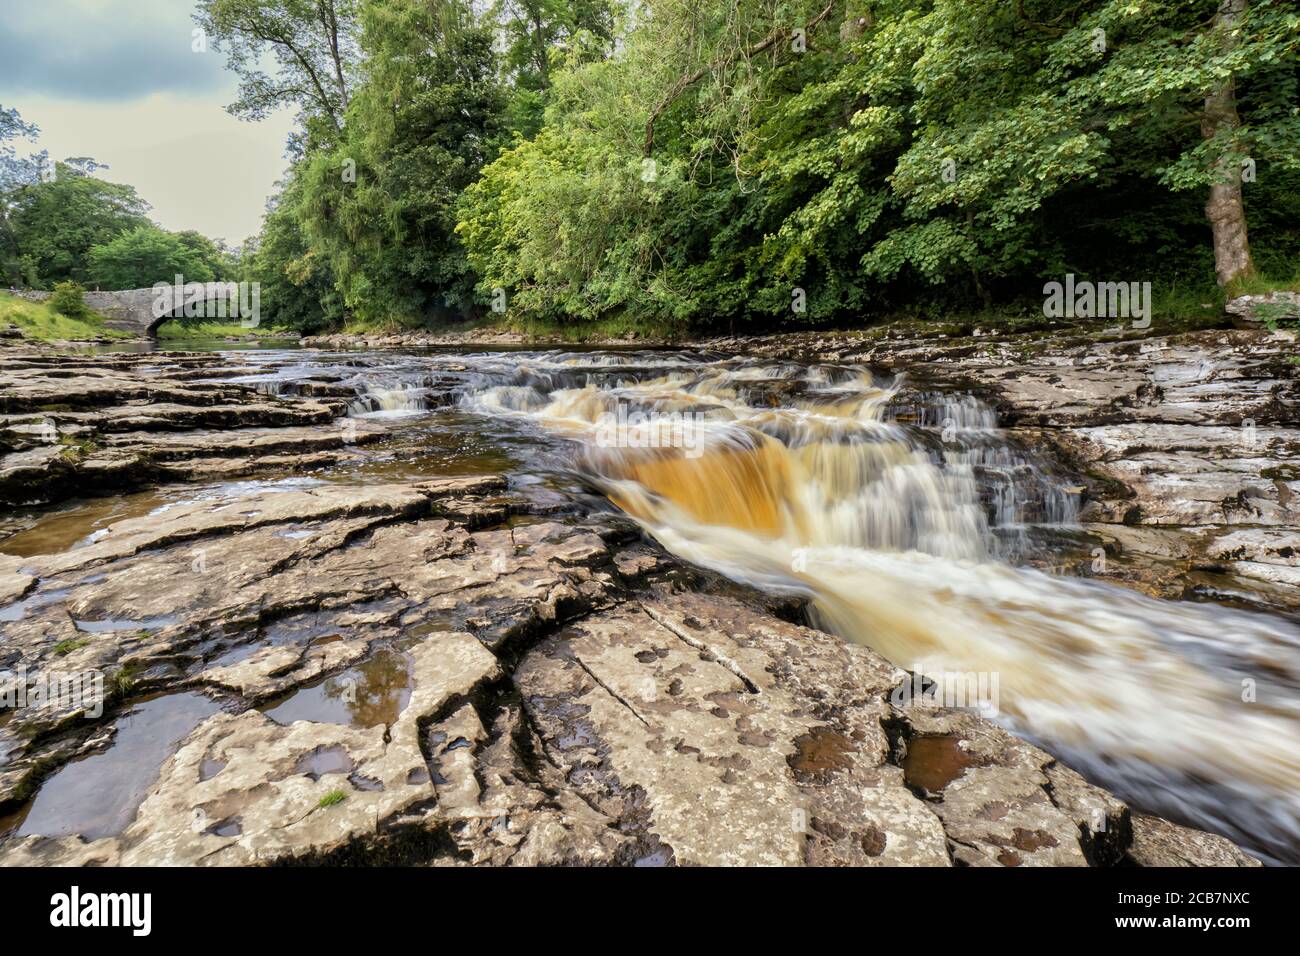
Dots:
pixel 315 651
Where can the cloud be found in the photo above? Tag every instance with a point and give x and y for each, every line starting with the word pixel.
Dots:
pixel 117 80
pixel 104 50
pixel 197 165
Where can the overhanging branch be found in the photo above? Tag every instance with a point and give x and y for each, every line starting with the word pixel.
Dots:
pixel 686 82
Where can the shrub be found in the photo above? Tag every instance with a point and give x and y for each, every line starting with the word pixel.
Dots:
pixel 67 300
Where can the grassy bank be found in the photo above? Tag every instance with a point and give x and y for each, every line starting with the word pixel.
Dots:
pixel 189 329
pixel 40 322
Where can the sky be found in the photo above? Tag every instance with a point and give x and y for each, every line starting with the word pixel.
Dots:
pixel 118 81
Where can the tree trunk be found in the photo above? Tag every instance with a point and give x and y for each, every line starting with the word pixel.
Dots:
pixel 1224 209
pixel 330 21
pixel 857 20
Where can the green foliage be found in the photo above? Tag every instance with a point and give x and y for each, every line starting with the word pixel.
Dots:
pixel 38 320
pixel 15 171
pixel 540 38
pixel 56 222
pixel 213 258
pixel 297 284
pixel 332 798
pixel 50 226
pixel 68 299
pixel 146 255
pixel 950 150
pixel 124 681
pixel 200 329
pixel 684 165
pixel 287 52
pixel 381 206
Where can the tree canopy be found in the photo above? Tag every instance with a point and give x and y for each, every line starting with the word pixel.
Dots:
pixel 56 221
pixel 685 164
pixel 146 255
pixel 62 223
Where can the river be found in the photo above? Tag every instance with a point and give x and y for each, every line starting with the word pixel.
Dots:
pixel 907 520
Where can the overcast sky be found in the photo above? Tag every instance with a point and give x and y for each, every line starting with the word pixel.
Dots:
pixel 117 80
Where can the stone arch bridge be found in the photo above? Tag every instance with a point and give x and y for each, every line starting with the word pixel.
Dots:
pixel 133 310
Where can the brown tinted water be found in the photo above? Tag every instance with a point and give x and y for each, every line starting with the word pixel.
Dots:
pixel 933 762
pixel 372 694
pixel 56 531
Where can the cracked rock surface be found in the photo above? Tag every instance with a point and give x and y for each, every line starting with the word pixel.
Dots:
pixel 565 693
pixel 108 422
pixel 450 672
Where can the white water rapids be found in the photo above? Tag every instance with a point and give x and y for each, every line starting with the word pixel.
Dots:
pixel 793 477
pixel 908 520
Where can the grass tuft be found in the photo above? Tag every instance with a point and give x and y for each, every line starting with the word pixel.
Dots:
pixel 332 798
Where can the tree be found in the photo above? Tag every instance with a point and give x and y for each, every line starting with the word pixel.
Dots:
pixel 297 285
pixel 15 172
pixel 313 44
pixel 144 256
pixel 709 162
pixel 381 206
pixel 1035 100
pixel 634 200
pixel 55 222
pixel 543 35
pixel 1220 123
pixel 213 256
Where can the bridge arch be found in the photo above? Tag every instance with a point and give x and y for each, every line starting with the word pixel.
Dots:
pixel 137 311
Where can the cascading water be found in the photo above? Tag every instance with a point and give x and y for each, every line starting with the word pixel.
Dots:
pixel 909 521
pixel 389 401
pixel 895 520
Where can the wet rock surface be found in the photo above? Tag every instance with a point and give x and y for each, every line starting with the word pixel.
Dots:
pixel 97 424
pixel 568 697
pixel 453 672
pixel 1250 311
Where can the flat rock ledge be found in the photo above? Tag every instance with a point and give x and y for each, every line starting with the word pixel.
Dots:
pixel 509 689
pixel 117 421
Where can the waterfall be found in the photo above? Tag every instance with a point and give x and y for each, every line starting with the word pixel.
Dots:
pixel 389 401
pixel 898 514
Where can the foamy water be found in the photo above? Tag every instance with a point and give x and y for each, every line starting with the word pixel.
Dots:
pixel 896 531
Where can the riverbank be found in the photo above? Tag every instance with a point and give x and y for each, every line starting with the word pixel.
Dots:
pixel 24 322
pixel 28 324
pixel 343 662
pixel 1025 327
